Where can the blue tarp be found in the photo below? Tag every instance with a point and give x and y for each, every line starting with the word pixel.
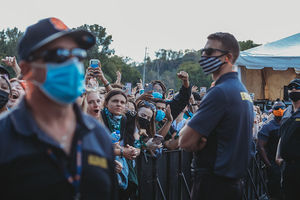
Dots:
pixel 279 55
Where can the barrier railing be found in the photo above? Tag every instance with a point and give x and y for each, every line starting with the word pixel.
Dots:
pixel 169 177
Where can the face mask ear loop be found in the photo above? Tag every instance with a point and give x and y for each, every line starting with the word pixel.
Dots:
pixel 233 66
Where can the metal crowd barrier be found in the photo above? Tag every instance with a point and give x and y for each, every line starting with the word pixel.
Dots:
pixel 169 177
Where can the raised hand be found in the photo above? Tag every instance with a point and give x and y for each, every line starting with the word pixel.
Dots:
pixel 194 88
pixel 12 62
pixel 140 84
pixel 119 76
pixel 183 75
pixel 168 114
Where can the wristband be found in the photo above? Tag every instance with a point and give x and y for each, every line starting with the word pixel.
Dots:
pixel 107 84
pixel 121 153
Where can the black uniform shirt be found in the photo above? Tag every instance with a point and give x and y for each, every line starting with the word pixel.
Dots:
pixel 269 133
pixel 290 134
pixel 28 172
pixel 225 118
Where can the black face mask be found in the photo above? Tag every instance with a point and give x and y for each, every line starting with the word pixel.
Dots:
pixel 143 122
pixel 129 116
pixel 3 98
pixel 294 96
pixel 278 118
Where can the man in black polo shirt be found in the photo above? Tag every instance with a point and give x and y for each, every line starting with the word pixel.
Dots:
pixel 48 148
pixel 220 132
pixel 289 144
pixel 267 142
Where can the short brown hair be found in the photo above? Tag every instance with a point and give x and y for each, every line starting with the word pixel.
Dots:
pixel 114 92
pixel 229 43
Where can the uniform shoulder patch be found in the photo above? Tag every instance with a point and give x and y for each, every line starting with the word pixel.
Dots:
pixel 246 96
pixel 297 119
pixel 97 161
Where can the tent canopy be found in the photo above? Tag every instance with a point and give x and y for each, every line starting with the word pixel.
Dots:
pixel 280 55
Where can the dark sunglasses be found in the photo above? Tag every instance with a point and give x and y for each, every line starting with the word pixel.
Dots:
pixel 294 86
pixel 147 104
pixel 210 51
pixel 277 107
pixel 59 55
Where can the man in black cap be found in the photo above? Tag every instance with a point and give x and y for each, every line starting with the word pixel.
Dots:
pixel 48 148
pixel 289 144
pixel 267 142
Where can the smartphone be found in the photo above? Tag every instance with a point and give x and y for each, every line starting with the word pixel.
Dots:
pixel 128 88
pixel 94 63
pixel 171 91
pixel 202 90
pixel 148 88
pixel 157 138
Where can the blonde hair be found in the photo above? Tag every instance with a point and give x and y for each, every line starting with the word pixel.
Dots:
pixel 85 103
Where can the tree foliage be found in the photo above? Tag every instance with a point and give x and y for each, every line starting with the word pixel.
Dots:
pixel 164 67
pixel 196 74
pixel 244 45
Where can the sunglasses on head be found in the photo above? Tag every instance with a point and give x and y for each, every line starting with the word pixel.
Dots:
pixel 59 55
pixel 132 112
pixel 210 51
pixel 294 86
pixel 277 107
pixel 147 104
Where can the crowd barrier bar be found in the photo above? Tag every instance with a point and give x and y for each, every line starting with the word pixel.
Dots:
pixel 169 177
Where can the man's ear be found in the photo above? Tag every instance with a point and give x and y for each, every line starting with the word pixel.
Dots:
pixel 229 58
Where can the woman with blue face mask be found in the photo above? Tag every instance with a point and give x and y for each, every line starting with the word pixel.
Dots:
pixel 5 93
pixel 178 103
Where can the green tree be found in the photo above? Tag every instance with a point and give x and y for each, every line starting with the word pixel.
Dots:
pixel 244 45
pixel 129 74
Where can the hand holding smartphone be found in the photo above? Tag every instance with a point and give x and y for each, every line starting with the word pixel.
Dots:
pixel 127 88
pixel 158 139
pixel 95 63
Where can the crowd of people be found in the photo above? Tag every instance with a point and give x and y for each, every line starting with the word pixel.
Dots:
pixel 66 133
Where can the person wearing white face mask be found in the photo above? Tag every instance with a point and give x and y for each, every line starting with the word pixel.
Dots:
pixel 64 154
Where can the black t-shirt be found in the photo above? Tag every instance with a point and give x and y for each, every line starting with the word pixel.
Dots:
pixel 28 172
pixel 290 134
pixel 225 118
pixel 269 133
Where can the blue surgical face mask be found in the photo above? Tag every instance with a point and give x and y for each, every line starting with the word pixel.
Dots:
pixel 160 115
pixel 157 95
pixel 64 81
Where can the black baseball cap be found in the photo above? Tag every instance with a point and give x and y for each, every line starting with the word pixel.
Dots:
pixel 47 30
pixel 295 81
pixel 3 70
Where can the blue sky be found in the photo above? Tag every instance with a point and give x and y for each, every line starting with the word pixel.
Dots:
pixel 157 24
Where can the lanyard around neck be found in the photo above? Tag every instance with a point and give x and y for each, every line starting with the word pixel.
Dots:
pixel 73 180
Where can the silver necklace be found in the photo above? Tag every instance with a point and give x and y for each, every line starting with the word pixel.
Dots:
pixel 62 140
